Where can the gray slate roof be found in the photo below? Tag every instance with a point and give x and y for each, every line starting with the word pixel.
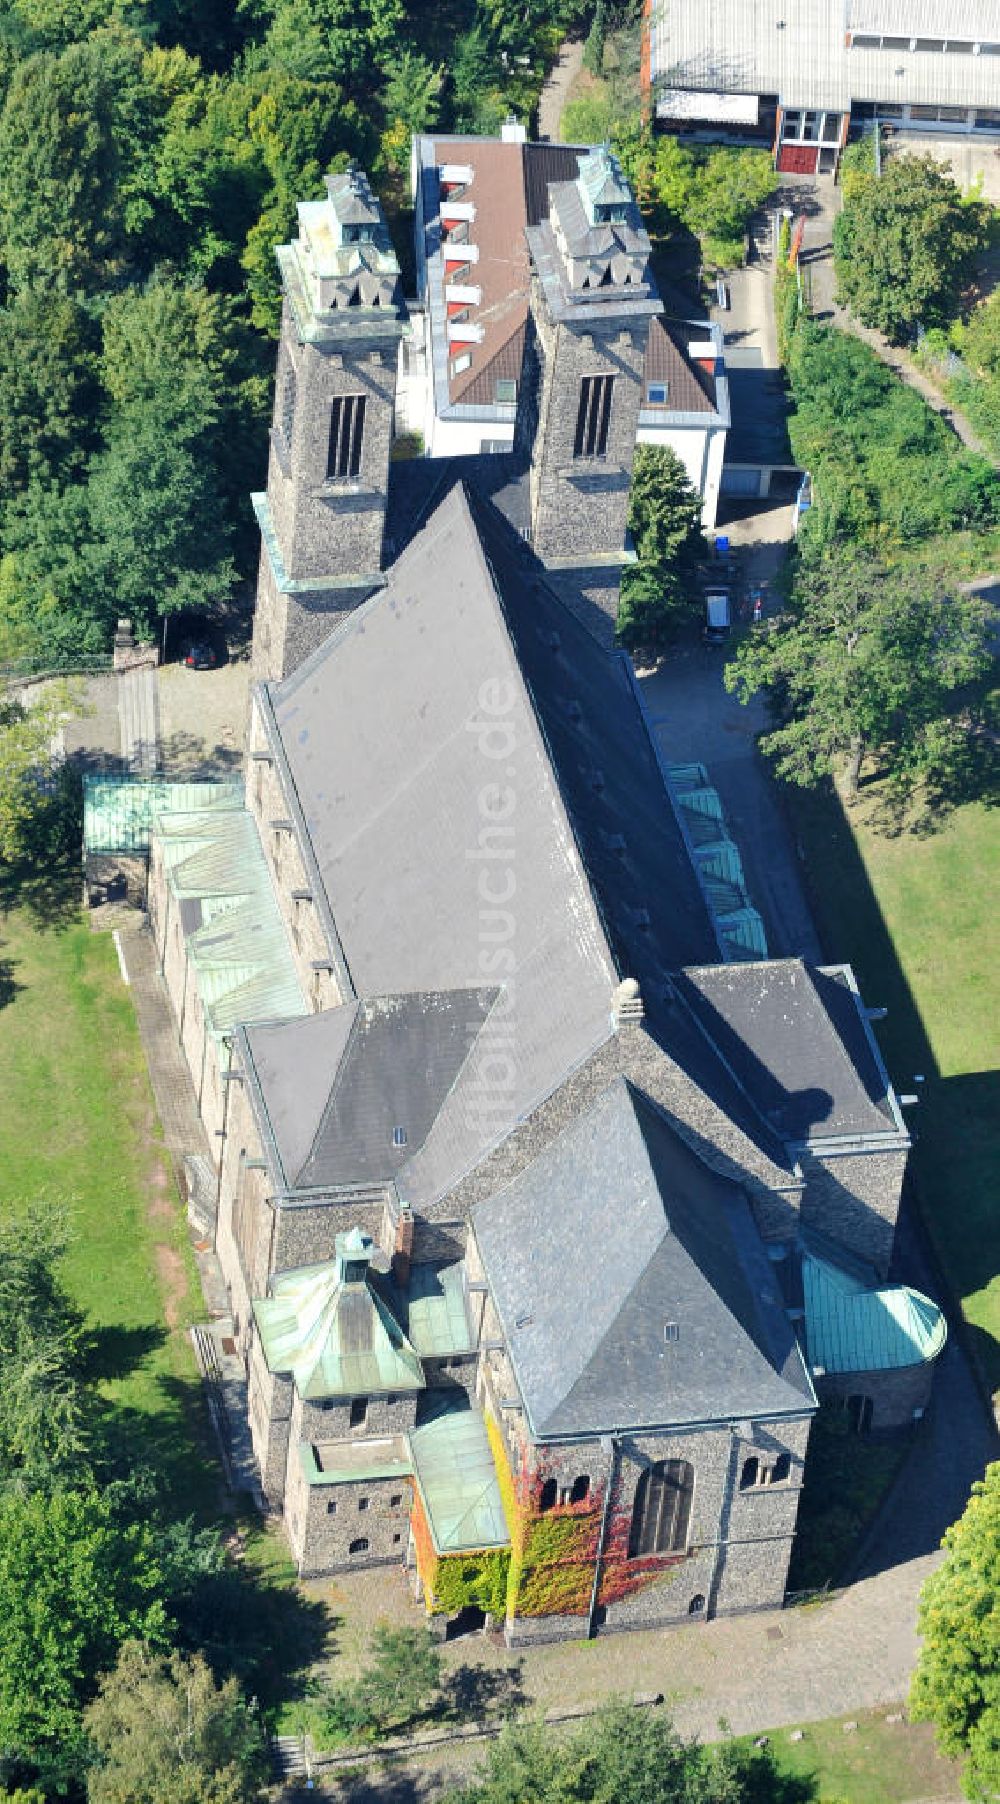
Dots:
pixel 336 1086
pixel 658 1239
pixel 396 780
pixel 797 1042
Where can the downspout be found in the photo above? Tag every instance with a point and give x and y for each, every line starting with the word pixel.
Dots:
pixel 611 1447
pixel 227 1040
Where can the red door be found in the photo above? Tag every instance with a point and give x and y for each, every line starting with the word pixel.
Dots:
pixel 798 159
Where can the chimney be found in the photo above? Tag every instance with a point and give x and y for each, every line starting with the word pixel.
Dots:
pixel 512 131
pixel 626 1003
pixel 402 1248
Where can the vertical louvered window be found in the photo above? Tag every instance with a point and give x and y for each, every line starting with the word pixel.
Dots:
pixel 662 1510
pixel 347 430
pixel 288 394
pixel 593 417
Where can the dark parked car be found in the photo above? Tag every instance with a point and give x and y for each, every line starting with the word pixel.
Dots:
pixel 197 654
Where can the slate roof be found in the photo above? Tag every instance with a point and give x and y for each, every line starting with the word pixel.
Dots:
pixel 341 1086
pixel 378 734
pixel 797 1042
pixel 660 1242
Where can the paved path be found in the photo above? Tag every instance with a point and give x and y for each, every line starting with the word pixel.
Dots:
pixel 138 715
pixel 695 719
pixel 555 93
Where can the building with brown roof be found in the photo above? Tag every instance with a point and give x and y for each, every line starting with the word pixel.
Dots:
pixel 475 200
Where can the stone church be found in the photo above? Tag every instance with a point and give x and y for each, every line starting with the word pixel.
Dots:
pixel 547 1205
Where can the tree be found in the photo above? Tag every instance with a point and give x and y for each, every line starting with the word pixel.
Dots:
pixel 44 1409
pixel 29 784
pixel 404 1674
pixel 165 1733
pixel 665 522
pixel 58 168
pixel 593 49
pixel 411 101
pixel 870 661
pixel 904 244
pixel 48 388
pixel 713 193
pixel 623 1756
pixel 73 1587
pixel 957 1682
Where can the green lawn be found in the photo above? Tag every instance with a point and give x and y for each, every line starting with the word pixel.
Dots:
pixel 917 915
pixel 877 1763
pixel 77 1124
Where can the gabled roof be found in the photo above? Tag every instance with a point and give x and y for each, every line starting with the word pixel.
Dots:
pixel 690 389
pixel 667 1314
pixel 796 1040
pixel 390 736
pixel 328 1328
pixel 352 1092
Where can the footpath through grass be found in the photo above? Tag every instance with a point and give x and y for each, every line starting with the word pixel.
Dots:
pixel 77 1124
pixel 916 914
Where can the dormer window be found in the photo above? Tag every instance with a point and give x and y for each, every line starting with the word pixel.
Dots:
pixel 506 391
pixel 656 394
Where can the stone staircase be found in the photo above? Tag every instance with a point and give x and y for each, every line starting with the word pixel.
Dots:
pixel 226 1397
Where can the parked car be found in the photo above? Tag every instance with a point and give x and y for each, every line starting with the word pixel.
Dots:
pixel 197 654
pixel 718 616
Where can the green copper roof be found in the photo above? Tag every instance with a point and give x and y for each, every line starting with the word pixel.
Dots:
pixel 436 1321
pixel 328 1328
pixel 457 1480
pixel 119 811
pixel 738 926
pixel 234 932
pixel 851 1327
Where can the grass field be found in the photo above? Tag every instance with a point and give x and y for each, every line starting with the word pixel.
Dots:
pixel 917 916
pixel 876 1763
pixel 77 1124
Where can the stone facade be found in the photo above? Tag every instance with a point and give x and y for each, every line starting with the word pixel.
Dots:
pixel 897 1398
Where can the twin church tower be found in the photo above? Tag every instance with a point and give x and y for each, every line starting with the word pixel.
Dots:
pixel 323 518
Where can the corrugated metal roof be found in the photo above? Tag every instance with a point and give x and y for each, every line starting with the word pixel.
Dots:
pixel 457 1480
pixel 851 1328
pixel 118 811
pixel 335 1338
pixel 235 935
pixel 799 52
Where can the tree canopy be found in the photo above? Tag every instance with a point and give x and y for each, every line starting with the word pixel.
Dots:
pixel 623 1756
pixel 870 660
pixel 904 244
pixel 661 588
pixel 957 1682
pixel 165 1733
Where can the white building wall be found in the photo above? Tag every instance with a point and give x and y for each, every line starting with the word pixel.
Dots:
pixel 701 450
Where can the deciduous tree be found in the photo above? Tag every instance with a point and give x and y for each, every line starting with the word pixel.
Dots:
pixel 166 1733
pixel 665 521
pixel 904 244
pixel 957 1682
pixel 870 660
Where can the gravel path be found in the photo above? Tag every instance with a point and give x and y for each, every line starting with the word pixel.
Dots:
pixel 555 93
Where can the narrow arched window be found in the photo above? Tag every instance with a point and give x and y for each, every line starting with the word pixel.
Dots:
pixel 750 1474
pixel 360 1545
pixel 548 1496
pixel 781 1470
pixel 662 1509
pixel 581 1489
pixel 697 1604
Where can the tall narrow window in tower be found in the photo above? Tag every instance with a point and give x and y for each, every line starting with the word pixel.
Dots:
pixel 347 430
pixel 662 1509
pixel 593 416
pixel 288 394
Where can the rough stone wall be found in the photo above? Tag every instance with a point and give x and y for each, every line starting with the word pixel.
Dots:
pixel 325 1521
pixel 268 658
pixel 898 1398
pixel 106 867
pixel 330 1418
pixel 330 528
pixel 305 1234
pixel 270 1410
pixel 592 594
pixel 579 505
pixel 855 1199
pixel 267 802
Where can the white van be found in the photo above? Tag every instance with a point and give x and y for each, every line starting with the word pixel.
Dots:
pixel 718 615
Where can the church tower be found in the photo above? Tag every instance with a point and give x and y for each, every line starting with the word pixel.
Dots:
pixel 593 296
pixel 323 515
